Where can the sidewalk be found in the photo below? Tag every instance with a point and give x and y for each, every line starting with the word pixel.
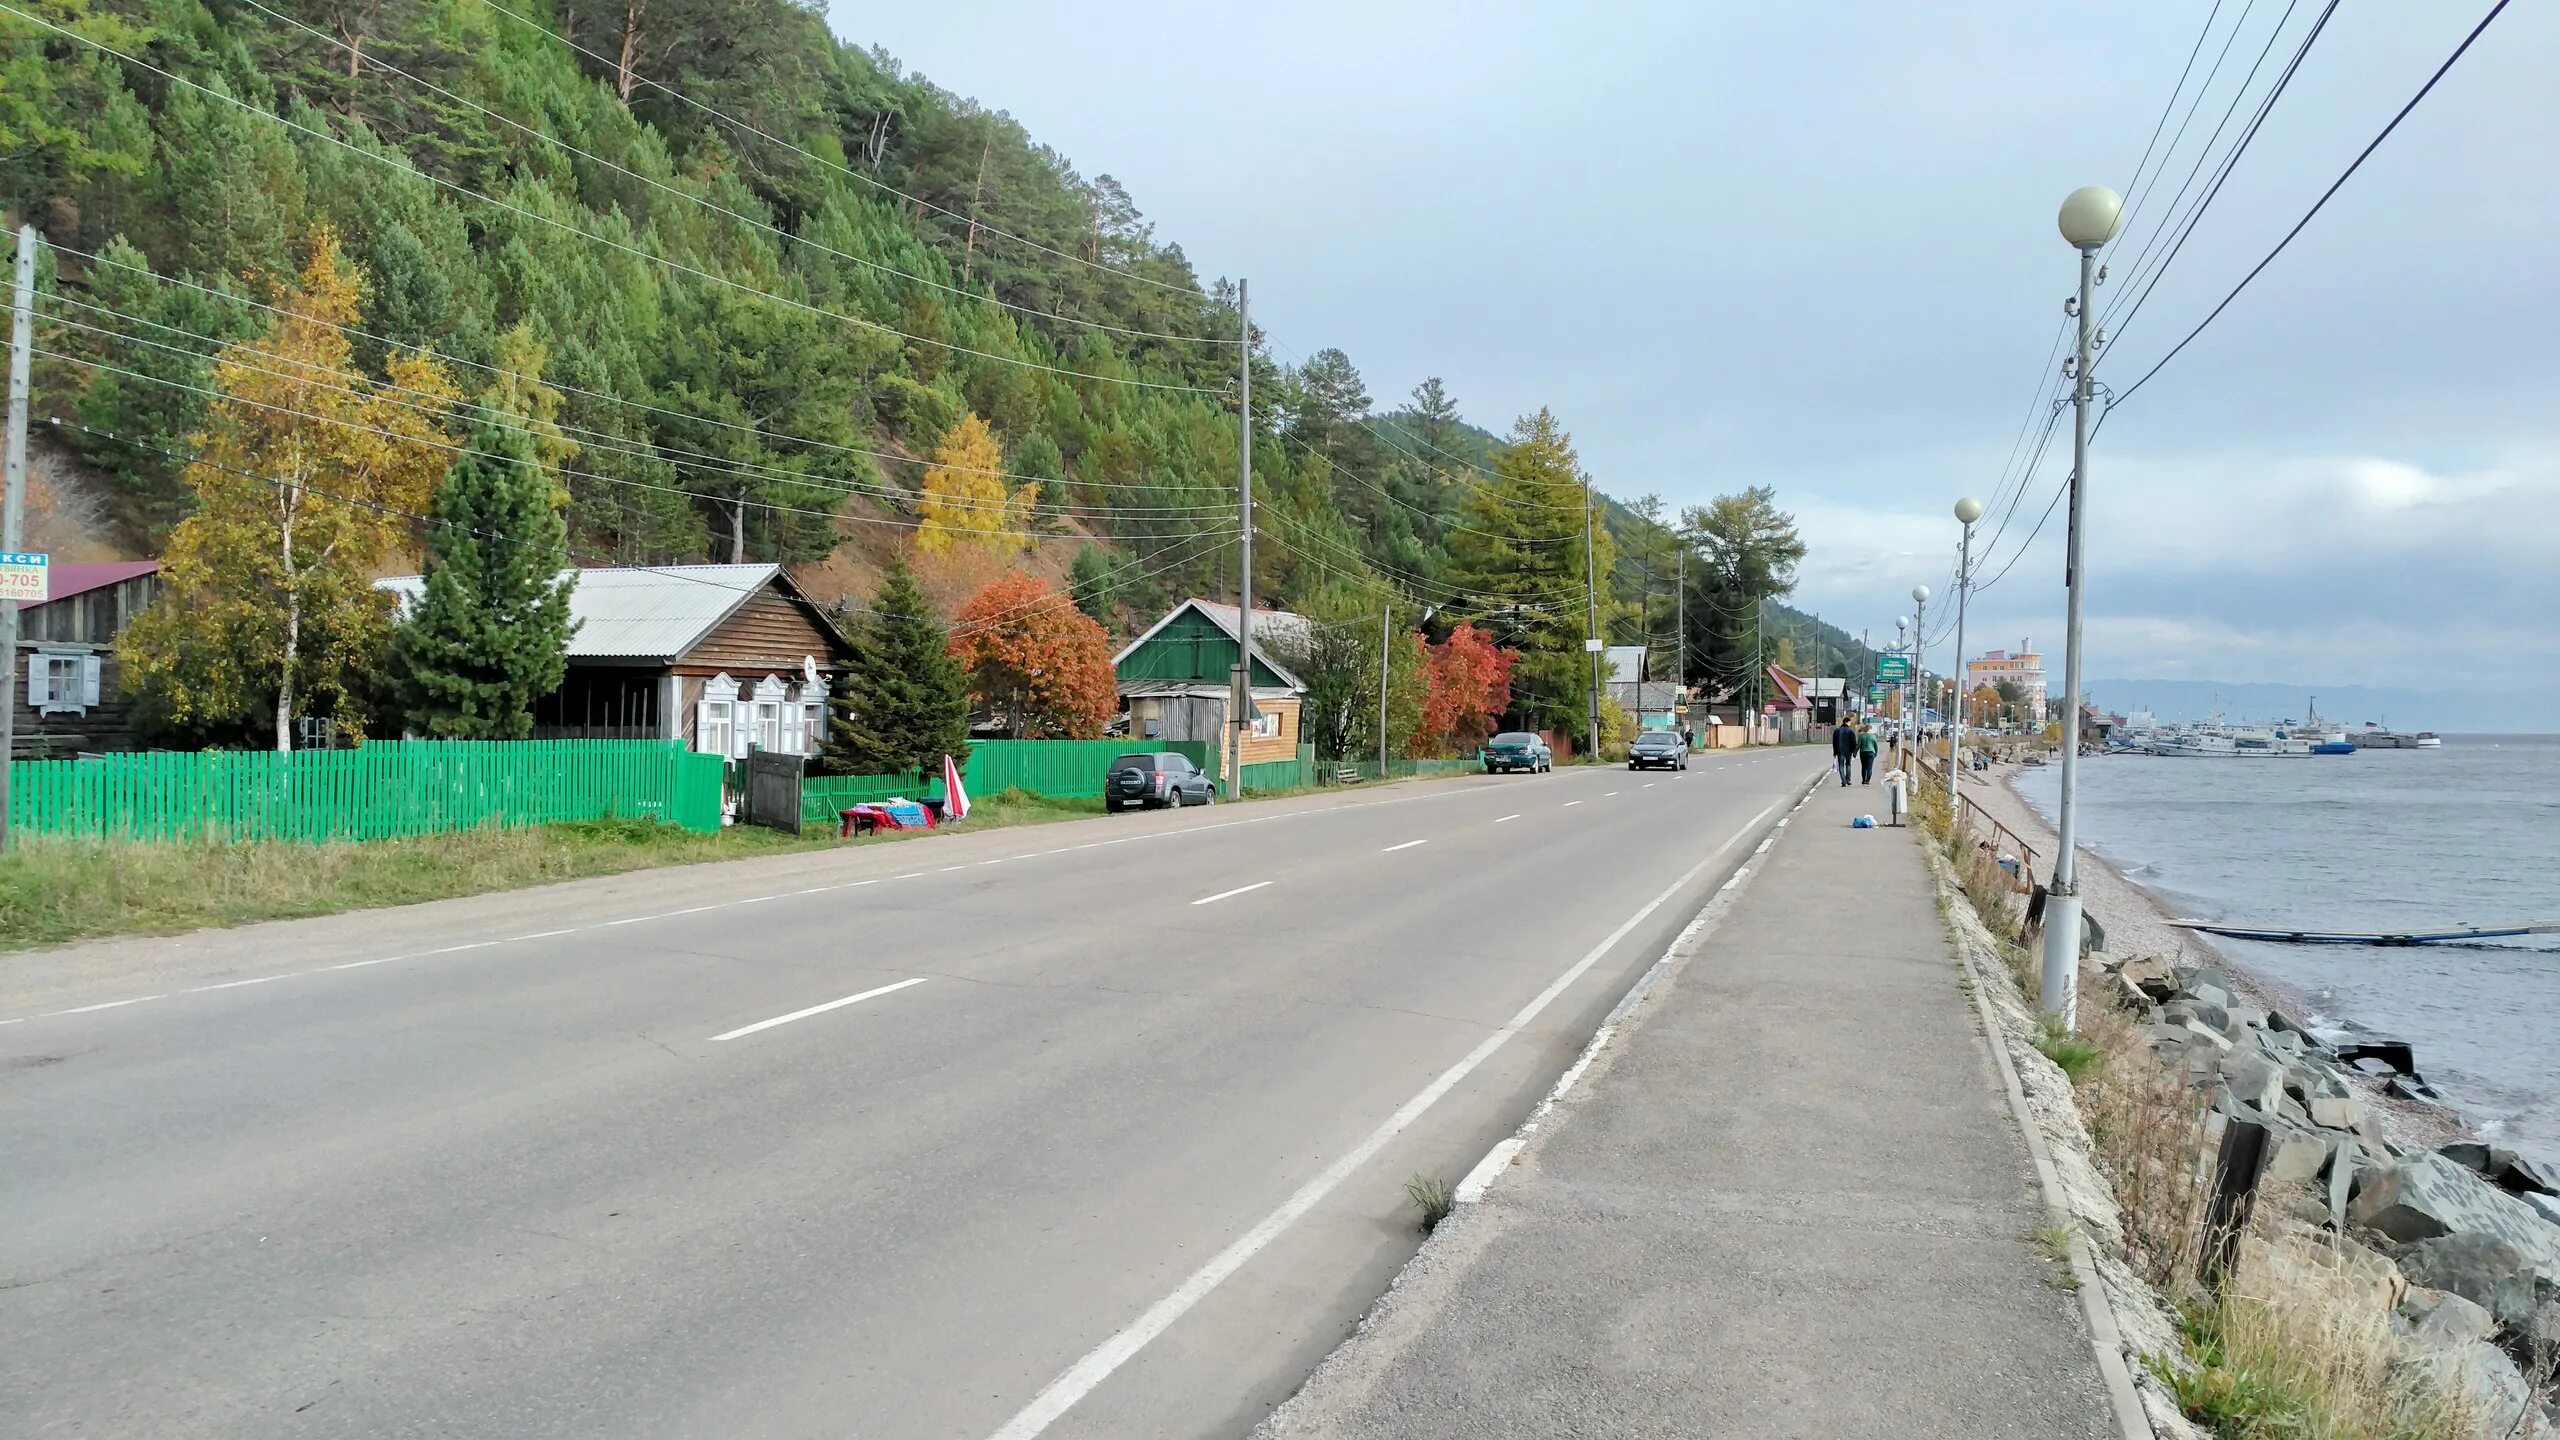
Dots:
pixel 1787 1200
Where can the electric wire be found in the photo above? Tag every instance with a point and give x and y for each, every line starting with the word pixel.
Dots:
pixel 677 266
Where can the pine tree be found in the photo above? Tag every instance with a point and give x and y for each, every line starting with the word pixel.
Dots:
pixel 902 704
pixel 491 635
pixel 1089 579
pixel 1522 549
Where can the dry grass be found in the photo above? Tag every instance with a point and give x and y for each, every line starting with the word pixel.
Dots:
pixel 53 892
pixel 2299 1345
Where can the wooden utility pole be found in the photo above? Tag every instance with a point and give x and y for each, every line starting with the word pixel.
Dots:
pixel 977 195
pixel 13 512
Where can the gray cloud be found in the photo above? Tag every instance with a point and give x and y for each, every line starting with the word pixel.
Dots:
pixel 1813 247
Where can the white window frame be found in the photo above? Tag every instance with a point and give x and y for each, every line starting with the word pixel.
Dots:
pixel 813 726
pixel 62 682
pixel 1266 726
pixel 717 716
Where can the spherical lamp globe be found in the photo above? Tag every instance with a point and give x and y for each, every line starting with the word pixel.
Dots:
pixel 2090 216
pixel 1968 510
pixel 1920 594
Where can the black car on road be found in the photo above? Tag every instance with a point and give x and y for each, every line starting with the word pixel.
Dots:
pixel 1156 779
pixel 1658 747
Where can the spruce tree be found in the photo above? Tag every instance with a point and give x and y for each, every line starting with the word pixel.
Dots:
pixel 901 703
pixel 491 635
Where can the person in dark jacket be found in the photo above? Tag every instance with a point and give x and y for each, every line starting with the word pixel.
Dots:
pixel 1844 747
pixel 1866 754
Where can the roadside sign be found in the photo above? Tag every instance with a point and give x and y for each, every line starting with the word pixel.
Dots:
pixel 24 576
pixel 1893 667
pixel 1876 693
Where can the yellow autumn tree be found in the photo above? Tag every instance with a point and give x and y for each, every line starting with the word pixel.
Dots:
pixel 305 476
pixel 964 500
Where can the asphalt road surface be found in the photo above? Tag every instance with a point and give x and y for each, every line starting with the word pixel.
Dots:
pixel 1089 1129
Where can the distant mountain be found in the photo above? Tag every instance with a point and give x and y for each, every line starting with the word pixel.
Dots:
pixel 2514 711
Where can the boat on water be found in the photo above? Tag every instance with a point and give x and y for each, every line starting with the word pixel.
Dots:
pixel 2257 744
pixel 2375 737
pixel 2192 744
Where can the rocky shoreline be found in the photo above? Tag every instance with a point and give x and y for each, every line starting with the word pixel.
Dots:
pixel 2137 923
pixel 2462 1238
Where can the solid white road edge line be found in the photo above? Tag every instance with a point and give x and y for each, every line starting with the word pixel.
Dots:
pixel 1223 894
pixel 816 1010
pixel 1079 1379
pixel 1409 844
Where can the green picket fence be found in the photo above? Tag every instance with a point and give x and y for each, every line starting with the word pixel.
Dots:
pixel 824 798
pixel 379 791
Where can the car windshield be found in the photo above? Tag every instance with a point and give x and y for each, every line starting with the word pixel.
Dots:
pixel 1514 737
pixel 1657 741
pixel 1134 762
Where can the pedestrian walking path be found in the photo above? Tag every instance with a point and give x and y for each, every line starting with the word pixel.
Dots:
pixel 1787 1199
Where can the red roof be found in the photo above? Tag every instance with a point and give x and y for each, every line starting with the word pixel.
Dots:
pixel 1790 694
pixel 70 580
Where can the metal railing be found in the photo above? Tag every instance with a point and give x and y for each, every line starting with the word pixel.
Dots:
pixel 1978 819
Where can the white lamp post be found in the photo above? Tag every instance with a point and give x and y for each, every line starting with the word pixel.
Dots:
pixel 1968 510
pixel 2089 219
pixel 1919 648
pixel 1902 711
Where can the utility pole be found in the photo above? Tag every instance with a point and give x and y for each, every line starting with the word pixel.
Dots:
pixel 2090 217
pixel 1680 594
pixel 1240 700
pixel 1591 595
pixel 1384 610
pixel 22 327
pixel 1919 682
pixel 1759 667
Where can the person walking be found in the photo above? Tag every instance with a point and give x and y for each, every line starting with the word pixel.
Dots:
pixel 1844 745
pixel 1867 754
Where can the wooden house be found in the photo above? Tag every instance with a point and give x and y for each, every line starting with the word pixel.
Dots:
pixel 1176 680
pixel 66 682
pixel 727 658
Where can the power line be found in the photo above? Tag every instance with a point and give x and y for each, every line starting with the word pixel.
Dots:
pixel 2202 35
pixel 835 165
pixel 603 397
pixel 2334 185
pixel 607 443
pixel 748 220
pixel 2237 25
pixel 724 500
pixel 2222 176
pixel 677 266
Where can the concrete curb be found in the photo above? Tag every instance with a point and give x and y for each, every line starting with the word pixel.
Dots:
pixel 2123 1399
pixel 1683 945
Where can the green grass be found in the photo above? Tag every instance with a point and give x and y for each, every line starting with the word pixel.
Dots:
pixel 55 892
pixel 2077 1057
pixel 1432 1196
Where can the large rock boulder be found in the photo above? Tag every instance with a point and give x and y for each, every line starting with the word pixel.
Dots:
pixel 2481 1375
pixel 2425 1196
pixel 2156 976
pixel 2501 1167
pixel 2441 1317
pixel 2490 1272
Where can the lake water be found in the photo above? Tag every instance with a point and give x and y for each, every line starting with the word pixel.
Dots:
pixel 2381 840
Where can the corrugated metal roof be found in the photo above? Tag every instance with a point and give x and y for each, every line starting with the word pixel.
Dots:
pixel 653 613
pixel 79 578
pixel 1286 628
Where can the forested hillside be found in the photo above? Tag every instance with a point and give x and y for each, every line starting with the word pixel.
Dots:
pixel 786 300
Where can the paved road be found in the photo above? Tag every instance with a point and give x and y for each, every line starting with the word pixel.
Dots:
pixel 1097 1129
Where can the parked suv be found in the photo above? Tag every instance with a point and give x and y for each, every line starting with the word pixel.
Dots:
pixel 1517 750
pixel 1658 747
pixel 1158 778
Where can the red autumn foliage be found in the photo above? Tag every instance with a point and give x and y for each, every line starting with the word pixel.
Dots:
pixel 1032 655
pixel 1467 682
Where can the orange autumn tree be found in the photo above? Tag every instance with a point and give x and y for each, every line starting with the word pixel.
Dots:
pixel 1035 658
pixel 304 474
pixel 1467 683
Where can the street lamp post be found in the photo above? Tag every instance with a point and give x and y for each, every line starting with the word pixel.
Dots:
pixel 1902 687
pixel 1919 683
pixel 1968 510
pixel 2089 219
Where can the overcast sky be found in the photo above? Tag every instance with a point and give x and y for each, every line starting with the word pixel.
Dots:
pixel 1813 247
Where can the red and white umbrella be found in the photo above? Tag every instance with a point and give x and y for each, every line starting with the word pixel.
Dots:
pixel 957 804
